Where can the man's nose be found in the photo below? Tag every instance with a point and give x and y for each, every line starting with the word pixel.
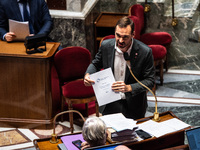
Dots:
pixel 121 40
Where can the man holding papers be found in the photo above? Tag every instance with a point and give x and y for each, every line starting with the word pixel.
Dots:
pixel 133 102
pixel 35 12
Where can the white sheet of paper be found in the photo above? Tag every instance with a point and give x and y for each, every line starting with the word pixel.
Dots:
pixel 155 128
pixel 21 29
pixel 102 87
pixel 162 128
pixel 175 123
pixel 118 122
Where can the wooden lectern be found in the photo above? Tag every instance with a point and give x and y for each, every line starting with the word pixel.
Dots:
pixel 25 85
pixel 165 141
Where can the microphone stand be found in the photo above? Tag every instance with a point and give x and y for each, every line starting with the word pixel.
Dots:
pixel 156 114
pixel 54 139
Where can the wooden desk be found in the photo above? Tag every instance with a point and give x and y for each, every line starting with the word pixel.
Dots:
pixel 181 147
pixel 25 86
pixel 168 140
pixel 165 141
pixel 105 25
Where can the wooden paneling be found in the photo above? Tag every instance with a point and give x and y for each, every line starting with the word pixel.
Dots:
pixel 25 86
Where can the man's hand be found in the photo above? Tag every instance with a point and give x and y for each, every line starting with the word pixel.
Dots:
pixel 120 86
pixel 87 80
pixel 10 36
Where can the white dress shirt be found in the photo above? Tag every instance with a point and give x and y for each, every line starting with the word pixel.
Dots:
pixel 120 66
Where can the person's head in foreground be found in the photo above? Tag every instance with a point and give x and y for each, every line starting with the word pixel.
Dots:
pixel 122 147
pixel 94 132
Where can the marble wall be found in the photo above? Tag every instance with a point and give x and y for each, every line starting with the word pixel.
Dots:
pixel 182 53
pixel 75 28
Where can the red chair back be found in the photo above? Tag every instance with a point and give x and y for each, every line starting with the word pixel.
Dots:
pixel 138 11
pixel 71 63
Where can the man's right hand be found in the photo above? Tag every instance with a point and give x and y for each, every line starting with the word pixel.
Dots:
pixel 10 36
pixel 87 80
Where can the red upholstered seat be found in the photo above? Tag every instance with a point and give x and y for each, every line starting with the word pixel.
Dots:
pixel 154 38
pixel 158 38
pixel 71 64
pixel 159 51
pixel 159 54
pixel 77 89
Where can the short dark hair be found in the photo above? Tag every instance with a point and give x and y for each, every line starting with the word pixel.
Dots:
pixel 124 22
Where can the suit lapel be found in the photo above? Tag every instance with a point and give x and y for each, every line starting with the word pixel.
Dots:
pixel 111 54
pixel 133 57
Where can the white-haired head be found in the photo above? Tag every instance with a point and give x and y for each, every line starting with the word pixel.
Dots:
pixel 94 131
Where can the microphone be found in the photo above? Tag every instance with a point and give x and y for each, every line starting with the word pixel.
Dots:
pixel 156 114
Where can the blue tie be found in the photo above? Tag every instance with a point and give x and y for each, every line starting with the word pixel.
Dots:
pixel 27 16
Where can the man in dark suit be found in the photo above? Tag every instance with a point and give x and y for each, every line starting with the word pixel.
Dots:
pixel 38 11
pixel 133 102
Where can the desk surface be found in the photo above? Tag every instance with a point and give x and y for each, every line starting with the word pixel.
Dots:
pixel 17 49
pixel 41 144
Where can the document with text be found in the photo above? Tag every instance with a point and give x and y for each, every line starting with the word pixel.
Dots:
pixel 21 29
pixel 118 122
pixel 102 87
pixel 164 127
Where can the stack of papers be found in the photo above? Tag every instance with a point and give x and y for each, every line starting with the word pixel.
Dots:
pixel 119 122
pixel 159 129
pixel 21 29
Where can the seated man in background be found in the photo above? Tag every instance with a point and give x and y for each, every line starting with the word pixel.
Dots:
pixel 40 21
pixel 94 132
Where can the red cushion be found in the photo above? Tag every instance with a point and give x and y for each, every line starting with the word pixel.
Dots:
pixel 108 37
pixel 77 89
pixel 161 38
pixel 159 51
pixel 72 62
pixel 138 11
pixel 137 26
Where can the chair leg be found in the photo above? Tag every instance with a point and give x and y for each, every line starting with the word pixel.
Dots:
pixel 154 89
pixel 62 107
pixel 161 72
pixel 87 110
pixel 71 116
pixel 97 108
pixel 166 64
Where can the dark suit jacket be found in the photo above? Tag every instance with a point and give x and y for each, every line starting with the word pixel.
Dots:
pixel 141 59
pixel 39 12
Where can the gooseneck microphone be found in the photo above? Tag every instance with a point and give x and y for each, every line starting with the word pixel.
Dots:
pixel 127 58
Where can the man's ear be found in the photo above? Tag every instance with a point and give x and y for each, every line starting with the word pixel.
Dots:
pixel 133 34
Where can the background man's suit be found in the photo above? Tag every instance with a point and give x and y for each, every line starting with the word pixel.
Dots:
pixel 39 12
pixel 141 59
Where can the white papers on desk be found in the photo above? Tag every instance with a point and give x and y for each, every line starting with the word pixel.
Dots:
pixel 21 29
pixel 175 123
pixel 102 87
pixel 162 128
pixel 118 122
